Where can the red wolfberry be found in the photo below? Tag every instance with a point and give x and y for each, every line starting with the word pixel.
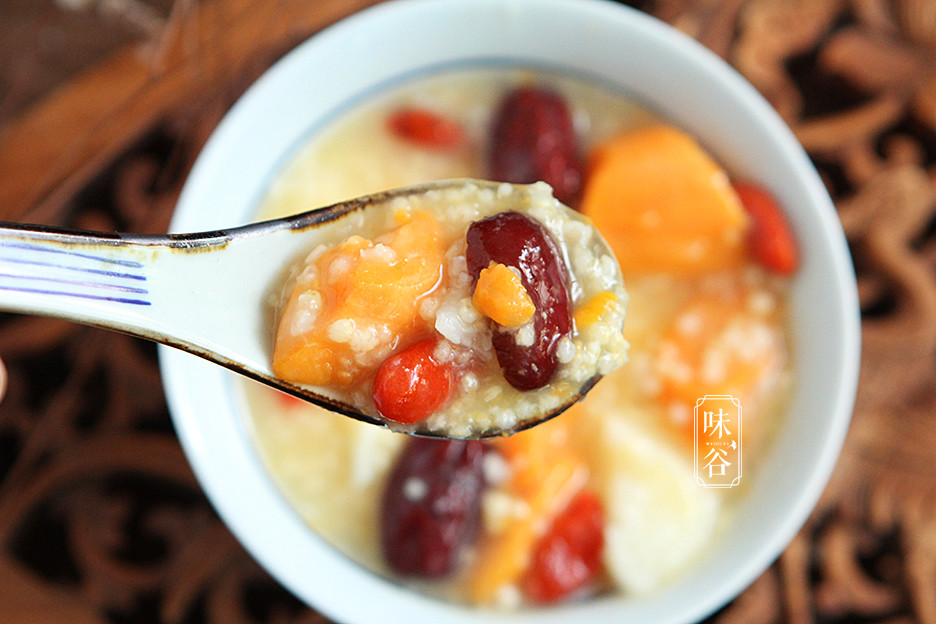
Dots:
pixel 425 128
pixel 770 238
pixel 568 556
pixel 412 384
pixel 289 401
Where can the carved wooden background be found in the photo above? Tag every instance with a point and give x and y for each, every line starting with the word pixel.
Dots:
pixel 101 519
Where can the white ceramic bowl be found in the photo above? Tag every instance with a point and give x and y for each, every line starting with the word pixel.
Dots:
pixel 675 76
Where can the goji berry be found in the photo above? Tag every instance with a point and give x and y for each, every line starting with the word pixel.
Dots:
pixel 568 556
pixel 770 238
pixel 425 128
pixel 411 384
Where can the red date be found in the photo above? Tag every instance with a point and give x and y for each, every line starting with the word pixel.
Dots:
pixel 533 139
pixel 431 505
pixel 515 240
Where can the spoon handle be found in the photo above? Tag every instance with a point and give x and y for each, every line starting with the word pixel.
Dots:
pixel 79 277
pixel 145 286
pixel 201 293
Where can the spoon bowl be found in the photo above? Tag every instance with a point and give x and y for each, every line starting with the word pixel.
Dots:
pixel 202 292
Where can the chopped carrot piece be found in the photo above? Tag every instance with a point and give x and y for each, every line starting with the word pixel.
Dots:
pixel 500 296
pixel 663 204
pixel 770 239
pixel 361 299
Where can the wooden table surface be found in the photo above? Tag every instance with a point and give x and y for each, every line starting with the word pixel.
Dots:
pixel 104 104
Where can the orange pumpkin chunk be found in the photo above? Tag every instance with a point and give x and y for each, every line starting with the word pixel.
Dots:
pixel 715 345
pixel 593 309
pixel 663 204
pixel 355 303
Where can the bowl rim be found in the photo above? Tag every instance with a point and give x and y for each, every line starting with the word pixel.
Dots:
pixel 220 451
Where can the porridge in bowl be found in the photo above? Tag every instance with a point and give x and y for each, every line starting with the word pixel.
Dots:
pixel 603 498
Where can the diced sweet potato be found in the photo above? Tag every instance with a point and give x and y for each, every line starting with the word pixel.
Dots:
pixel 501 297
pixel 359 303
pixel 663 204
pixel 592 310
